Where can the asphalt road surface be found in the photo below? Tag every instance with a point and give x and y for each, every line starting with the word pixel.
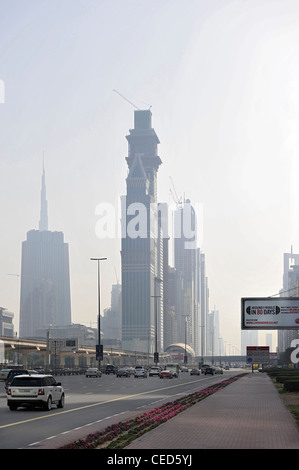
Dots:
pixel 94 400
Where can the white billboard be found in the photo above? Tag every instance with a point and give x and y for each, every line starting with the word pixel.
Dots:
pixel 266 313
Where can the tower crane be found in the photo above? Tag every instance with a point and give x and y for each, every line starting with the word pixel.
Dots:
pixel 134 105
pixel 174 194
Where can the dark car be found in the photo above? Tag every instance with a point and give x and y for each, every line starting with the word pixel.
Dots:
pixel 203 368
pixel 209 370
pixel 123 372
pixel 194 372
pixel 110 369
pixel 13 372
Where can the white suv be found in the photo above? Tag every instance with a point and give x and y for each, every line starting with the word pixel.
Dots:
pixel 35 390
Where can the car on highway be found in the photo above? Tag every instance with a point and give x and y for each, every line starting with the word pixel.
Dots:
pixel 166 374
pixel 131 370
pixel 140 372
pixel 203 368
pixel 174 369
pixel 123 372
pixel 4 374
pixel 184 369
pixel 110 369
pixel 154 372
pixel 218 370
pixel 195 372
pixel 36 390
pixel 210 370
pixel 93 372
pixel 14 372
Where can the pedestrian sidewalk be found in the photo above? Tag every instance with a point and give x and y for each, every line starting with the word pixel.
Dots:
pixel 247 414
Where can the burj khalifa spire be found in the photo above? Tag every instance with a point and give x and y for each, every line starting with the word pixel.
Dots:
pixel 43 222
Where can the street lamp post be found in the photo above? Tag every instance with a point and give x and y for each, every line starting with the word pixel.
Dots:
pixel 156 297
pixel 220 339
pixel 156 355
pixel 185 356
pixel 99 352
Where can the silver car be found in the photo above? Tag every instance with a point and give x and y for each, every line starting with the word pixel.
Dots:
pixel 93 372
pixel 140 372
pixel 154 371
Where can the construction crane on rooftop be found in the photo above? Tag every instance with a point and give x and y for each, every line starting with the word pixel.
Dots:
pixel 134 105
pixel 177 200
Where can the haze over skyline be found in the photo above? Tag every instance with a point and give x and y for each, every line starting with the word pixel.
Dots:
pixel 221 78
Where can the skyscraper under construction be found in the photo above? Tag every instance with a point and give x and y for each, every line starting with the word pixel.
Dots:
pixel 142 242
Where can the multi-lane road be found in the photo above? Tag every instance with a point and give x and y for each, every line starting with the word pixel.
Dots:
pixel 93 401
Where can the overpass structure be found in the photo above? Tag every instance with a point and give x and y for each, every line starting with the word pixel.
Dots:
pixel 31 352
pixel 22 351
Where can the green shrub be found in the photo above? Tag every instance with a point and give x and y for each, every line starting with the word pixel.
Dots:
pixel 274 372
pixel 282 378
pixel 291 385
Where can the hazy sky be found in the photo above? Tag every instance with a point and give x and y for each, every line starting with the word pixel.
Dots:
pixel 222 78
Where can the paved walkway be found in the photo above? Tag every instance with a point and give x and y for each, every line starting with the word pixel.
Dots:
pixel 247 414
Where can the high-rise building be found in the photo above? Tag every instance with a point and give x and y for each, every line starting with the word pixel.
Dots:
pixel 111 321
pixel 142 246
pixel 248 338
pixel 6 322
pixel 187 261
pixel 290 289
pixel 213 334
pixel 175 295
pixel 45 277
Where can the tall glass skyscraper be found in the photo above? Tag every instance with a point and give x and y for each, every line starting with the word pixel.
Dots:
pixel 185 261
pixel 141 250
pixel 45 277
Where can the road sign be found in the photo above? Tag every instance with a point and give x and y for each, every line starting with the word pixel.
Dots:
pixel 258 354
pixel 63 344
pixel 266 313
